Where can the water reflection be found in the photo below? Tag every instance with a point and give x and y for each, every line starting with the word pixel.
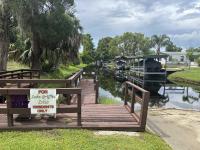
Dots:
pixel 108 83
pixel 170 96
pixel 181 97
pixel 158 100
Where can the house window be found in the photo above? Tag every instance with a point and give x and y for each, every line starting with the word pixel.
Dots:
pixel 170 58
pixel 182 58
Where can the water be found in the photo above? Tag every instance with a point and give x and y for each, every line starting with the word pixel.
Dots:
pixel 181 97
pixel 172 96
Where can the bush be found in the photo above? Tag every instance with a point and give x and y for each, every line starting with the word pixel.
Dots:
pixel 86 57
pixel 198 61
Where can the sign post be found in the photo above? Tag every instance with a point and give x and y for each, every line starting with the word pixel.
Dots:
pixel 43 101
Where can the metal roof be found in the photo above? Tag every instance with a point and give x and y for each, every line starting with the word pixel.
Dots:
pixel 148 56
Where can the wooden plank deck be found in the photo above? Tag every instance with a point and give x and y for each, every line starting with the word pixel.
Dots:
pixel 88 91
pixel 98 116
pixel 94 116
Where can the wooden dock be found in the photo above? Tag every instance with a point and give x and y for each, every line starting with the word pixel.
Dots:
pixel 93 115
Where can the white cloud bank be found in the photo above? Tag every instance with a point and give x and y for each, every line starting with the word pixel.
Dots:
pixel 179 19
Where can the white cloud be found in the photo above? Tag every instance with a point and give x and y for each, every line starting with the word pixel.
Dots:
pixel 187 39
pixel 113 17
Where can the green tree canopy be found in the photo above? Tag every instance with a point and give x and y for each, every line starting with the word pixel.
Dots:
pixel 159 41
pixel 193 53
pixel 114 49
pixel 103 48
pixel 88 55
pixel 173 48
pixel 134 43
pixel 126 44
pixel 52 28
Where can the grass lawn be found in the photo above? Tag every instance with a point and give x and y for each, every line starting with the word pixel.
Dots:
pixel 12 65
pixel 64 71
pixel 108 101
pixel 78 140
pixel 187 76
pixel 61 73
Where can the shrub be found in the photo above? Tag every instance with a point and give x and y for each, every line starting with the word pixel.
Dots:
pixel 198 61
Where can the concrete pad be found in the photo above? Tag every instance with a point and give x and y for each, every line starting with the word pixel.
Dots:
pixel 179 128
pixel 116 133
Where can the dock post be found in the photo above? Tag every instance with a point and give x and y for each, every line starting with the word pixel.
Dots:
pixel 144 110
pixel 133 100
pixel 9 116
pixel 97 91
pixel 68 96
pixel 79 110
pixel 126 94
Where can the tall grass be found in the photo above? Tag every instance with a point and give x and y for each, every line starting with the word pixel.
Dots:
pixel 108 101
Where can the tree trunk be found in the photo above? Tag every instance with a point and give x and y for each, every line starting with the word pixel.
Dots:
pixel 3 54
pixel 158 51
pixel 36 52
pixel 4 35
pixel 35 41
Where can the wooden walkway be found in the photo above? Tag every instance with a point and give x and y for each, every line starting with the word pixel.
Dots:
pixel 84 111
pixel 88 91
pixel 99 116
pixel 94 116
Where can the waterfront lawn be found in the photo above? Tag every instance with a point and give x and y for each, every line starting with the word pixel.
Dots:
pixel 79 140
pixel 189 76
pixel 13 65
pixel 62 72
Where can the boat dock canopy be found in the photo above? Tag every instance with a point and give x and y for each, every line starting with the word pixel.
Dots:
pixel 148 56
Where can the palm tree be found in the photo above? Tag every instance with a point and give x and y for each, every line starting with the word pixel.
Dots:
pixel 59 39
pixel 160 41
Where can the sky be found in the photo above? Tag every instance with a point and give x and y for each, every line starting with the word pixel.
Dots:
pixel 179 19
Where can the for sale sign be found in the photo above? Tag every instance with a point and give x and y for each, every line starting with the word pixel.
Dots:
pixel 43 101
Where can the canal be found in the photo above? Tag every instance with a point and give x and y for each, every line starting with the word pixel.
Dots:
pixel 172 96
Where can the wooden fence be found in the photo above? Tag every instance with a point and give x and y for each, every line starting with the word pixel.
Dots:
pixel 26 111
pixel 32 77
pixel 25 76
pixel 137 95
pixel 73 81
pixel 20 74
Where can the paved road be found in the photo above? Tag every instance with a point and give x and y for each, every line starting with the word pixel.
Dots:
pixel 179 129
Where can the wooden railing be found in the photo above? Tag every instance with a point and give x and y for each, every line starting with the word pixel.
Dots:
pixel 75 79
pixel 70 82
pixel 70 89
pixel 20 74
pixel 137 95
pixel 30 76
pixel 26 111
pixel 33 82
